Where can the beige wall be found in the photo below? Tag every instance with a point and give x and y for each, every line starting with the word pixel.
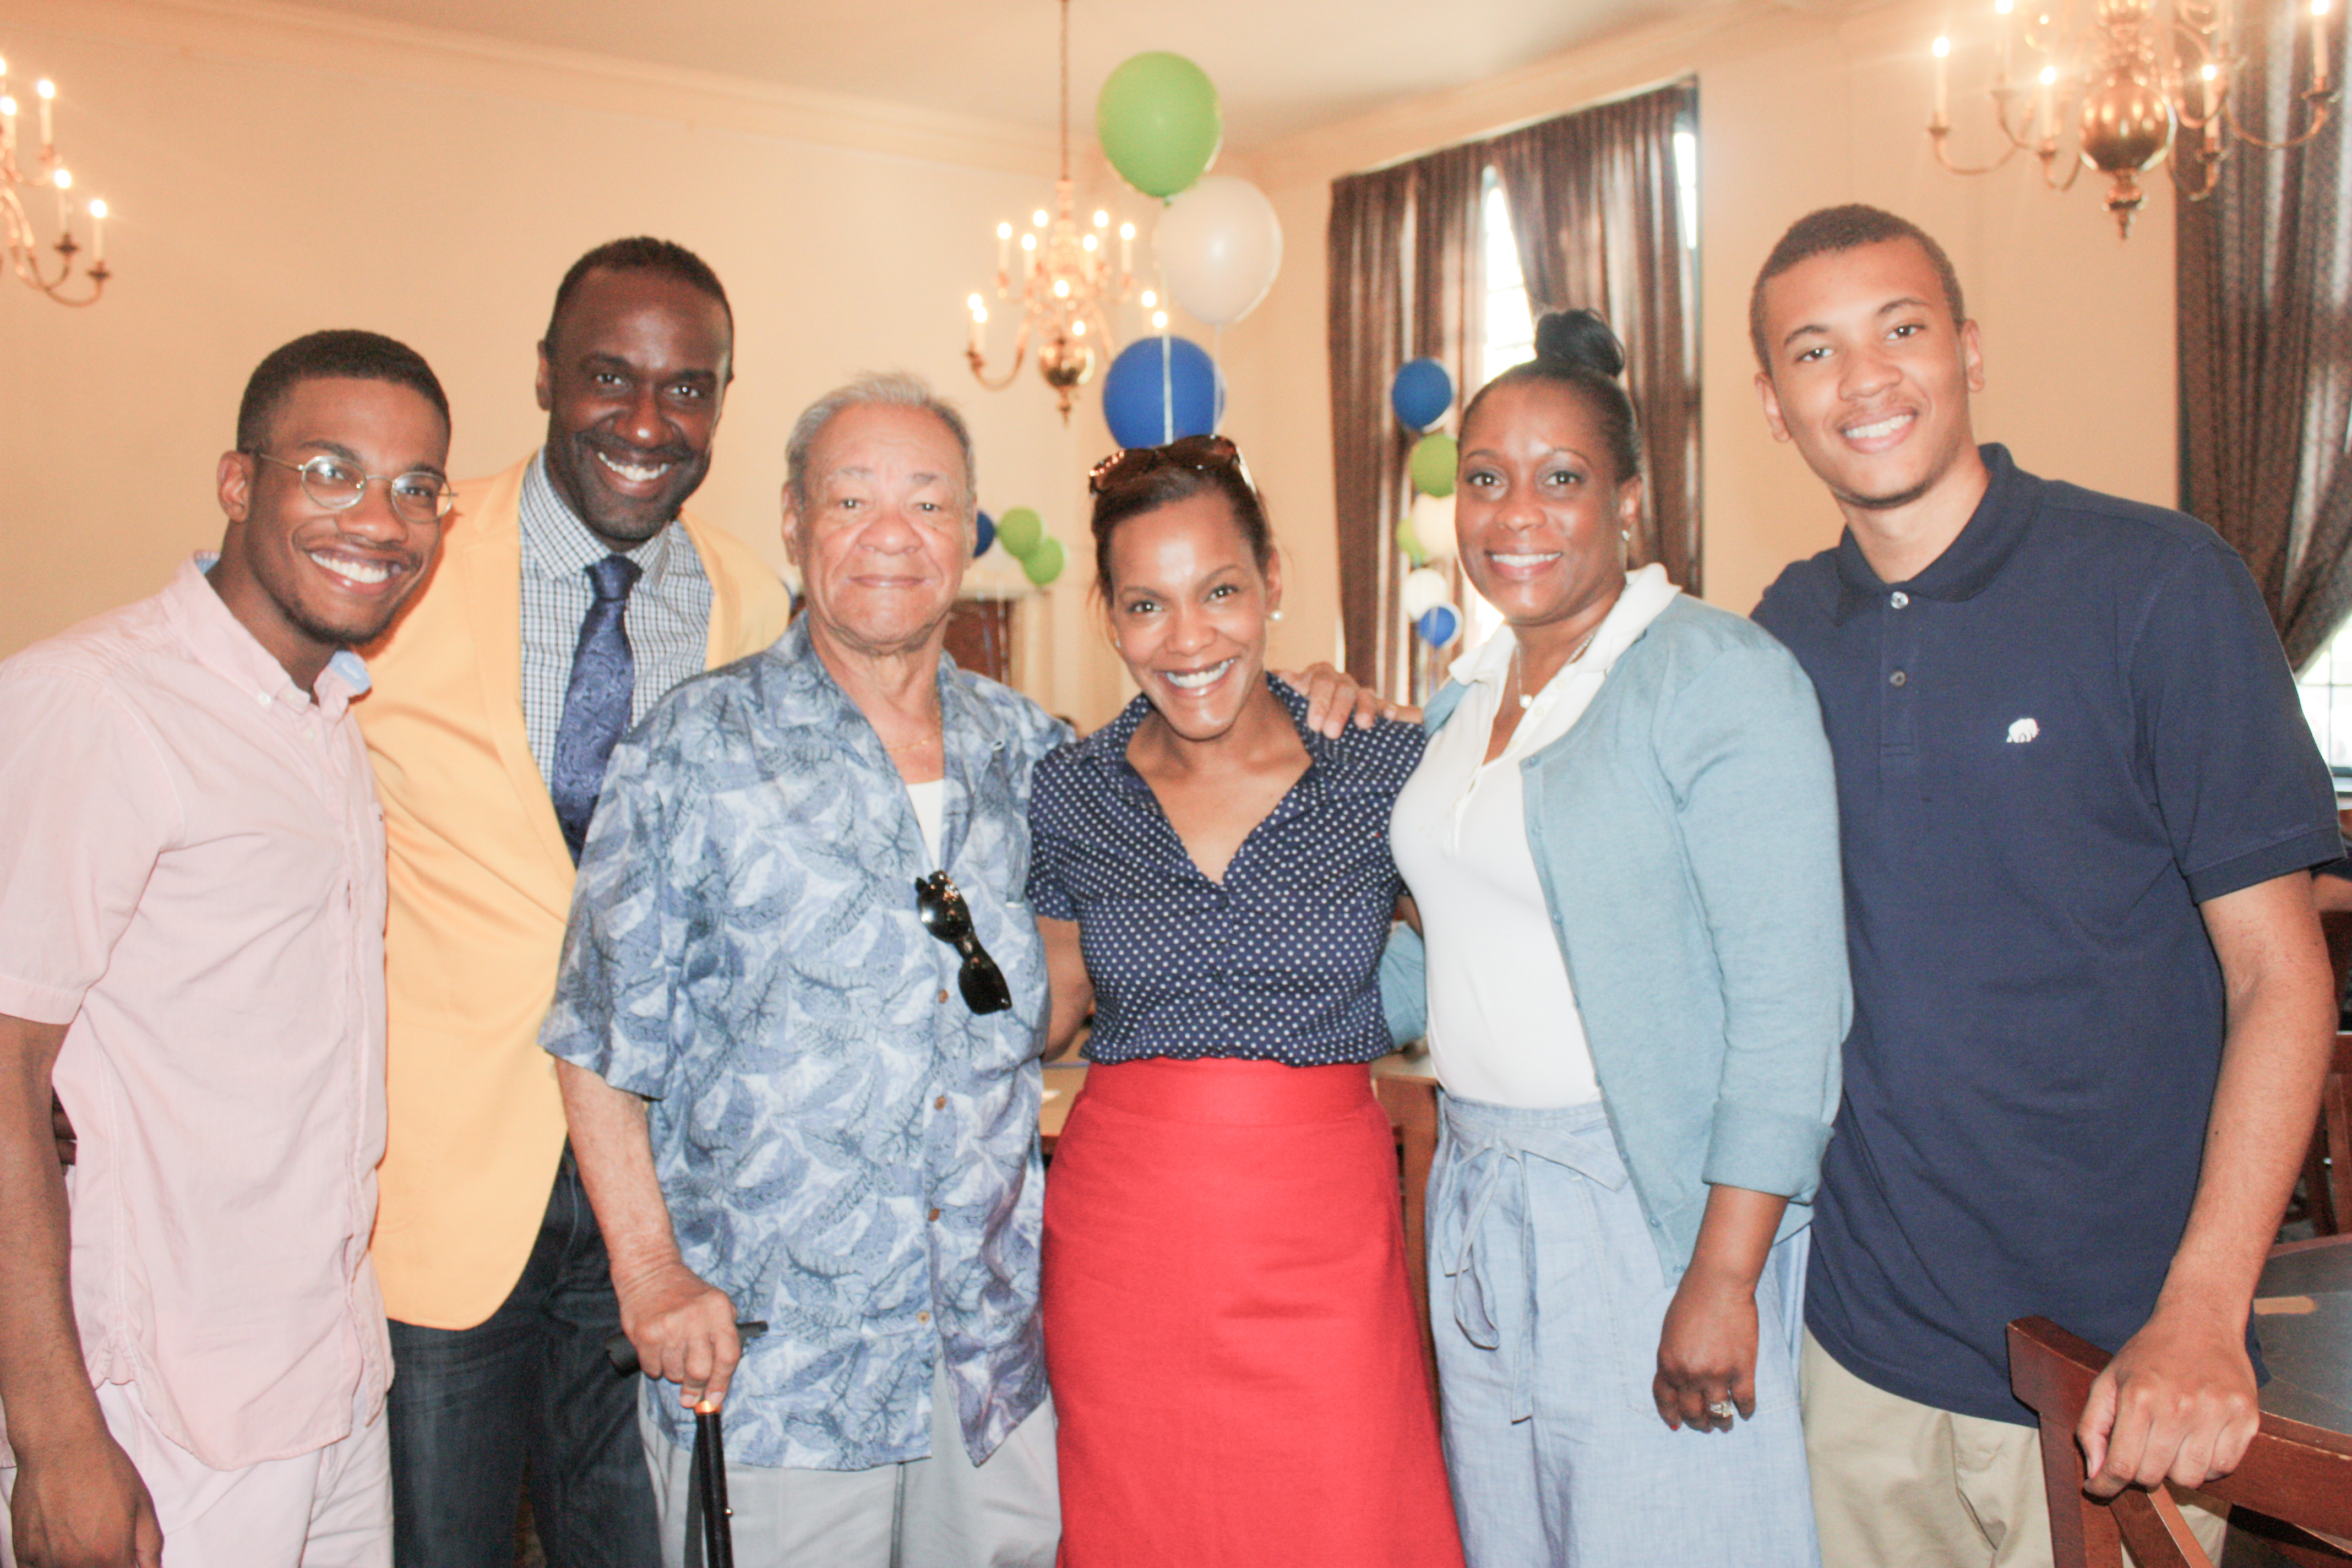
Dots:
pixel 1796 110
pixel 269 183
pixel 277 171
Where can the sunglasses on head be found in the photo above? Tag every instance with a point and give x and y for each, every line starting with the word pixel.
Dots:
pixel 1201 453
pixel 939 904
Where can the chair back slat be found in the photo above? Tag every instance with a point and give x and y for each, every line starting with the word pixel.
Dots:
pixel 2293 1471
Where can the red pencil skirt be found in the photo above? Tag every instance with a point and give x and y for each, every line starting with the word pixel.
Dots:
pixel 1236 1371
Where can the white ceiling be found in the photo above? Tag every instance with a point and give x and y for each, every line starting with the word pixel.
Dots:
pixel 1280 66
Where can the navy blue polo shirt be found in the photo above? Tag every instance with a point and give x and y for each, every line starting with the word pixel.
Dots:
pixel 2052 744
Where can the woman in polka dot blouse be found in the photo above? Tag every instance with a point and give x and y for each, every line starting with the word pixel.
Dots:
pixel 1235 1365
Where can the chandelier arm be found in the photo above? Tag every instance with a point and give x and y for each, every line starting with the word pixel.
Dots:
pixel 1020 354
pixel 2050 158
pixel 2322 112
pixel 1938 135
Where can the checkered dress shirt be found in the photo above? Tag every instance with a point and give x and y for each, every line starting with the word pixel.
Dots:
pixel 669 610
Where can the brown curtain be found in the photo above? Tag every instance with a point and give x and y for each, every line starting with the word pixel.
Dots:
pixel 1597 209
pixel 1404 282
pixel 2264 307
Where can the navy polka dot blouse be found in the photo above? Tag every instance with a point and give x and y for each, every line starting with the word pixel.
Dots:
pixel 1279 962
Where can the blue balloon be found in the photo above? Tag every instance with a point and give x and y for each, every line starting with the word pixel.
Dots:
pixel 1137 394
pixel 1440 626
pixel 987 536
pixel 1420 393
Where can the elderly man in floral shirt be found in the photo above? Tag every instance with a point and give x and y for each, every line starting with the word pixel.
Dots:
pixel 791 1100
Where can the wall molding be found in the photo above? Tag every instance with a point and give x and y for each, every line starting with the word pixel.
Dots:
pixel 273 32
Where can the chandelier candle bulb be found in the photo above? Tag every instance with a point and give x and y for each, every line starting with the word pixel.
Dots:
pixel 97 232
pixel 2045 111
pixel 1943 53
pixel 63 180
pixel 1127 252
pixel 47 91
pixel 2319 46
pixel 1038 218
pixel 2001 11
pixel 1003 252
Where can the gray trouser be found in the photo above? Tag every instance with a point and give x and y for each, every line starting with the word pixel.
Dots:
pixel 943 1512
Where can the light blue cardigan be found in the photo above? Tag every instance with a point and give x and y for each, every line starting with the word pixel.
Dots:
pixel 1685 832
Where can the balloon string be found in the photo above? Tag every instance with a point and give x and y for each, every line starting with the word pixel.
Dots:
pixel 1167 364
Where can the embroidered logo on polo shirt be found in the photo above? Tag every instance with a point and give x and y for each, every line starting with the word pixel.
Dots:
pixel 2022 731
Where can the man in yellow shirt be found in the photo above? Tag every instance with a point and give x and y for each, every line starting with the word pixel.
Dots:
pixel 572 596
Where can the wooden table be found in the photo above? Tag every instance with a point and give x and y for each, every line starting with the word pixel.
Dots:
pixel 2304 1321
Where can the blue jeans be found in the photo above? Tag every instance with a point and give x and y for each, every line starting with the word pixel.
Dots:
pixel 527 1395
pixel 1547 1298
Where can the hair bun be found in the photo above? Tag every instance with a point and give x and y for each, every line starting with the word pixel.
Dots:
pixel 1581 339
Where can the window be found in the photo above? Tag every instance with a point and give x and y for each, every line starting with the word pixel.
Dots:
pixel 2325 687
pixel 1510 339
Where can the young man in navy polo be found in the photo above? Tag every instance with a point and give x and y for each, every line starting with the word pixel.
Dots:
pixel 2092 1002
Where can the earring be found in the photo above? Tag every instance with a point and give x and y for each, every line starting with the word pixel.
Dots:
pixel 1625 536
pixel 1273 614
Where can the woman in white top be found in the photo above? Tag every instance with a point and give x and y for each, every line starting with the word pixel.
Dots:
pixel 1622 844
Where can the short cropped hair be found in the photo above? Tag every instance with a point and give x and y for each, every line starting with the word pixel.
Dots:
pixel 1849 228
pixel 642 253
pixel 339 353
pixel 886 389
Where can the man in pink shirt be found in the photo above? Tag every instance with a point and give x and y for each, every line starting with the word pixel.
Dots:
pixel 193 1358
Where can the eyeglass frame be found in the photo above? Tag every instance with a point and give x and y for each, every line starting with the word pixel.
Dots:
pixel 939 905
pixel 445 497
pixel 1217 452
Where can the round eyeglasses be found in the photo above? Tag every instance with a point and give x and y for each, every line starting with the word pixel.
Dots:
pixel 338 483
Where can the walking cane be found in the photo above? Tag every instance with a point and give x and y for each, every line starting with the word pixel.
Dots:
pixel 708 1496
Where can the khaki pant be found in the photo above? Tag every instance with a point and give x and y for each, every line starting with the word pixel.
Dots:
pixel 1902 1485
pixel 943 1512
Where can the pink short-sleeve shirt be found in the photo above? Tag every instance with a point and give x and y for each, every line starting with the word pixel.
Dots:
pixel 191 878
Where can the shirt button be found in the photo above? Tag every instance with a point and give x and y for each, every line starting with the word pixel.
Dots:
pixel 922 1317
pixel 943 996
pixel 1897 678
pixel 1898 598
pixel 934 1217
pixel 941 1103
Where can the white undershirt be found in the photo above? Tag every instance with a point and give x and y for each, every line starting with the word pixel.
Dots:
pixel 931 801
pixel 1503 1021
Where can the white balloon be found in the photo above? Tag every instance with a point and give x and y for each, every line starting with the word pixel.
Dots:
pixel 1219 245
pixel 1422 591
pixel 1432 524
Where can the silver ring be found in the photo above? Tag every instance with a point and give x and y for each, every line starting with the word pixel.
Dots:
pixel 1723 1410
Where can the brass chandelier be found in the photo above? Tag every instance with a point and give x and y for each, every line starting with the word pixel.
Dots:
pixel 56 278
pixel 2121 93
pixel 1067 284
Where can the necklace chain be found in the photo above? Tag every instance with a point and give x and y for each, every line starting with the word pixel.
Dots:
pixel 1518 681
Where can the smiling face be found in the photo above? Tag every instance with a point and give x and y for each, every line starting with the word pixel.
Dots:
pixel 887 533
pixel 633 377
pixel 305 580
pixel 1869 376
pixel 1541 510
pixel 1189 604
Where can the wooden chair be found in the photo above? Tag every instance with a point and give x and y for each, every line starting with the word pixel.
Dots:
pixel 2327 1170
pixel 2297 1478
pixel 1412 1105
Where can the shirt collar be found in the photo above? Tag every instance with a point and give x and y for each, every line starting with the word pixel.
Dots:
pixel 557 544
pixel 222 644
pixel 1105 749
pixel 1970 562
pixel 1647 593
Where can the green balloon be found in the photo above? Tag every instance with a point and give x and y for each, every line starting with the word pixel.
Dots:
pixel 1433 460
pixel 1160 123
pixel 1019 530
pixel 1044 564
pixel 1408 542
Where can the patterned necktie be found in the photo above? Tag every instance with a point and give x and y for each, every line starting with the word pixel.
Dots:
pixel 596 702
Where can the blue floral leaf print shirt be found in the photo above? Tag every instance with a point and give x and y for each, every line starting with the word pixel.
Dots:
pixel 846 1150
